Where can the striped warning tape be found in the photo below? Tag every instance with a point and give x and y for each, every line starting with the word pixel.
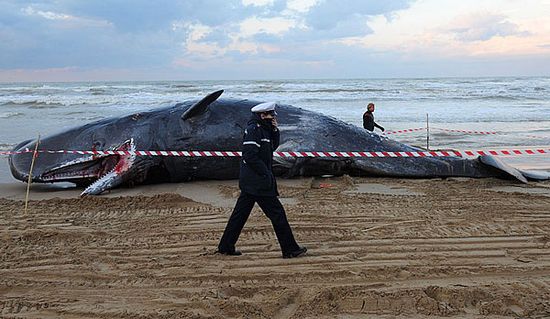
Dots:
pixel 460 153
pixel 404 131
pixel 466 131
pixel 452 130
pixel 441 129
pixel 482 132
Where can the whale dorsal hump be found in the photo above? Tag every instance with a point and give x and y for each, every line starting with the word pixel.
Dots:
pixel 202 105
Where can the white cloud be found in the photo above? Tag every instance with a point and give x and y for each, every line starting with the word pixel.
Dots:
pixel 483 26
pixel 274 26
pixel 198 31
pixel 301 5
pixel 47 14
pixel 257 3
pixel 202 51
pixel 66 18
pixel 195 33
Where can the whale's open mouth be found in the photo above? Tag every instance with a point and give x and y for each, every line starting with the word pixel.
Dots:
pixel 91 167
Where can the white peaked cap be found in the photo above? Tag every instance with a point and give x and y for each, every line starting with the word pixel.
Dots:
pixel 264 107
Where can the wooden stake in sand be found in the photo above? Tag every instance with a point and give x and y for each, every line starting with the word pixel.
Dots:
pixel 427 132
pixel 34 155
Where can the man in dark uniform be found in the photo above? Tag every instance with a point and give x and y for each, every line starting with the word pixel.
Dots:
pixel 258 184
pixel 368 119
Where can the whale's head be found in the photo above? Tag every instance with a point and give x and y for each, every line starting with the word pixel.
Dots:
pixel 66 157
pixel 101 155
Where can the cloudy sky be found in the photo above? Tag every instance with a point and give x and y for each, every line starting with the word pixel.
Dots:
pixel 68 40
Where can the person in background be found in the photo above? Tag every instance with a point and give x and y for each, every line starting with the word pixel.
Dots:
pixel 258 184
pixel 368 119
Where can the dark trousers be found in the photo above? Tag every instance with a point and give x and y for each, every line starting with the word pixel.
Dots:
pixel 273 209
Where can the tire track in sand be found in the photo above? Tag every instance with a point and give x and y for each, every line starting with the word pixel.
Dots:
pixel 458 249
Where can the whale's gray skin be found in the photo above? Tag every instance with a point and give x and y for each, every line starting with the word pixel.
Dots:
pixel 212 124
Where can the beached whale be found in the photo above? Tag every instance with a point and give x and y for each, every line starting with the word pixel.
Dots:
pixel 212 124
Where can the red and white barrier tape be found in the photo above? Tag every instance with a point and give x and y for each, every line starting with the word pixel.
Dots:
pixel 452 130
pixel 459 153
pixel 404 131
pixel 441 129
pixel 466 131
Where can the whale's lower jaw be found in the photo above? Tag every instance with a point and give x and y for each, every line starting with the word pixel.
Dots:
pixel 115 176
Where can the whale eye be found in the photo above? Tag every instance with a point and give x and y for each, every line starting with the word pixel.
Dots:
pixel 98 144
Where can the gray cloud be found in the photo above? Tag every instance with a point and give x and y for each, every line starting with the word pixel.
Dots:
pixel 137 15
pixel 332 20
pixel 328 14
pixel 338 19
pixel 342 29
pixel 138 33
pixel 112 32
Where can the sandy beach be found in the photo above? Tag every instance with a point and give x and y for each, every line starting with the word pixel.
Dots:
pixel 378 248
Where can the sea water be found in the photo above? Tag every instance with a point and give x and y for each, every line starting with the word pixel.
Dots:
pixel 516 108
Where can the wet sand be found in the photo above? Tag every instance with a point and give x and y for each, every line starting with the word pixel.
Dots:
pixel 378 248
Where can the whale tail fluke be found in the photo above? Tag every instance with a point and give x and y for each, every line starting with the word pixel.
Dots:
pixel 523 176
pixel 501 168
pixel 536 175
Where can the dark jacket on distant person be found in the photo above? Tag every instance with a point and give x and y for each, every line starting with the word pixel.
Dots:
pixel 368 122
pixel 256 175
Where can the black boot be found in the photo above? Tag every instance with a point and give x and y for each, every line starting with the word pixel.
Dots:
pixel 297 253
pixel 230 253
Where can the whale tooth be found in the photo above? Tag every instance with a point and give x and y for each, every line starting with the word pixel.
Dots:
pixel 116 175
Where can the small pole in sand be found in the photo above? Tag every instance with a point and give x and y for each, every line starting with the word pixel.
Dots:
pixel 34 155
pixel 427 132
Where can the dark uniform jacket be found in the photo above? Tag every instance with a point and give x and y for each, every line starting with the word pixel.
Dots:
pixel 259 142
pixel 368 122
